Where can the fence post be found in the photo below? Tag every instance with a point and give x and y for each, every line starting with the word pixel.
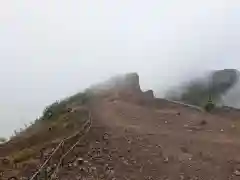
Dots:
pixel 43 174
pixel 63 152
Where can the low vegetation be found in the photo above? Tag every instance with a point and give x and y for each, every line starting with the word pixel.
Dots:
pixel 55 117
pixel 22 156
pixel 209 106
pixel 63 106
pixel 3 140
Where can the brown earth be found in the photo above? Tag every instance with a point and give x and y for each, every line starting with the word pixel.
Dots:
pixel 152 143
pixel 132 141
pixel 138 137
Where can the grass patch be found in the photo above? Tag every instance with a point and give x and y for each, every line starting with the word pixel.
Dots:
pixel 22 156
pixel 60 107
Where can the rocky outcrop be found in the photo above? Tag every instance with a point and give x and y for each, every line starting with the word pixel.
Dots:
pixel 127 82
pixel 126 87
pixel 149 94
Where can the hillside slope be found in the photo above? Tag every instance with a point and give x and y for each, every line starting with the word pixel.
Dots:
pixel 136 136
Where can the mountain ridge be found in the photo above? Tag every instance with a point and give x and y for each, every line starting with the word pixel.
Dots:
pixel 133 135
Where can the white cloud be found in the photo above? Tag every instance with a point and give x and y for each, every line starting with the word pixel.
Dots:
pixel 49 49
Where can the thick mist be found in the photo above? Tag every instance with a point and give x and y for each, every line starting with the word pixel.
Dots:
pixel 51 49
pixel 216 86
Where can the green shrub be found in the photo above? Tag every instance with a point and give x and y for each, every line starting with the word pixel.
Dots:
pixel 3 140
pixel 53 109
pixel 60 107
pixel 209 106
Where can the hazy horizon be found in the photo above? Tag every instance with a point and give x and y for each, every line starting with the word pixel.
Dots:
pixel 52 49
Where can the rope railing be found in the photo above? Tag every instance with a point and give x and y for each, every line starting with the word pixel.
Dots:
pixel 54 174
pixel 47 161
pixel 43 168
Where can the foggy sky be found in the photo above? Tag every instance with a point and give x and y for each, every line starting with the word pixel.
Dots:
pixel 51 49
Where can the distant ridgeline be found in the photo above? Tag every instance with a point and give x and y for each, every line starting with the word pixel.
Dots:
pixel 214 87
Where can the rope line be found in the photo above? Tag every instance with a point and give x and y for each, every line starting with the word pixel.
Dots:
pixel 69 150
pixel 85 128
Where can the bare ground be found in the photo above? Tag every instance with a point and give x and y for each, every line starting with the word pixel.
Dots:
pixel 129 141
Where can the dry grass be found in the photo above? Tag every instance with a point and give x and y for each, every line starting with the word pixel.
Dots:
pixel 22 156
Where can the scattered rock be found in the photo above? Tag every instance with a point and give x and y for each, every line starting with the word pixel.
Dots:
pixel 82 169
pixel 101 176
pixel 184 149
pixel 129 141
pixel 185 157
pixel 237 172
pixel 181 177
pixel 233 126
pixel 148 178
pixel 195 128
pixel 49 169
pixel 85 161
pixel 166 160
pixel 203 122
pixel 79 162
pixel 105 136
pixel 5 161
pixel 92 169
pixel 125 162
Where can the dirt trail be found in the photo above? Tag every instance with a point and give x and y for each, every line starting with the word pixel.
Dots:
pixel 128 141
pixel 134 136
